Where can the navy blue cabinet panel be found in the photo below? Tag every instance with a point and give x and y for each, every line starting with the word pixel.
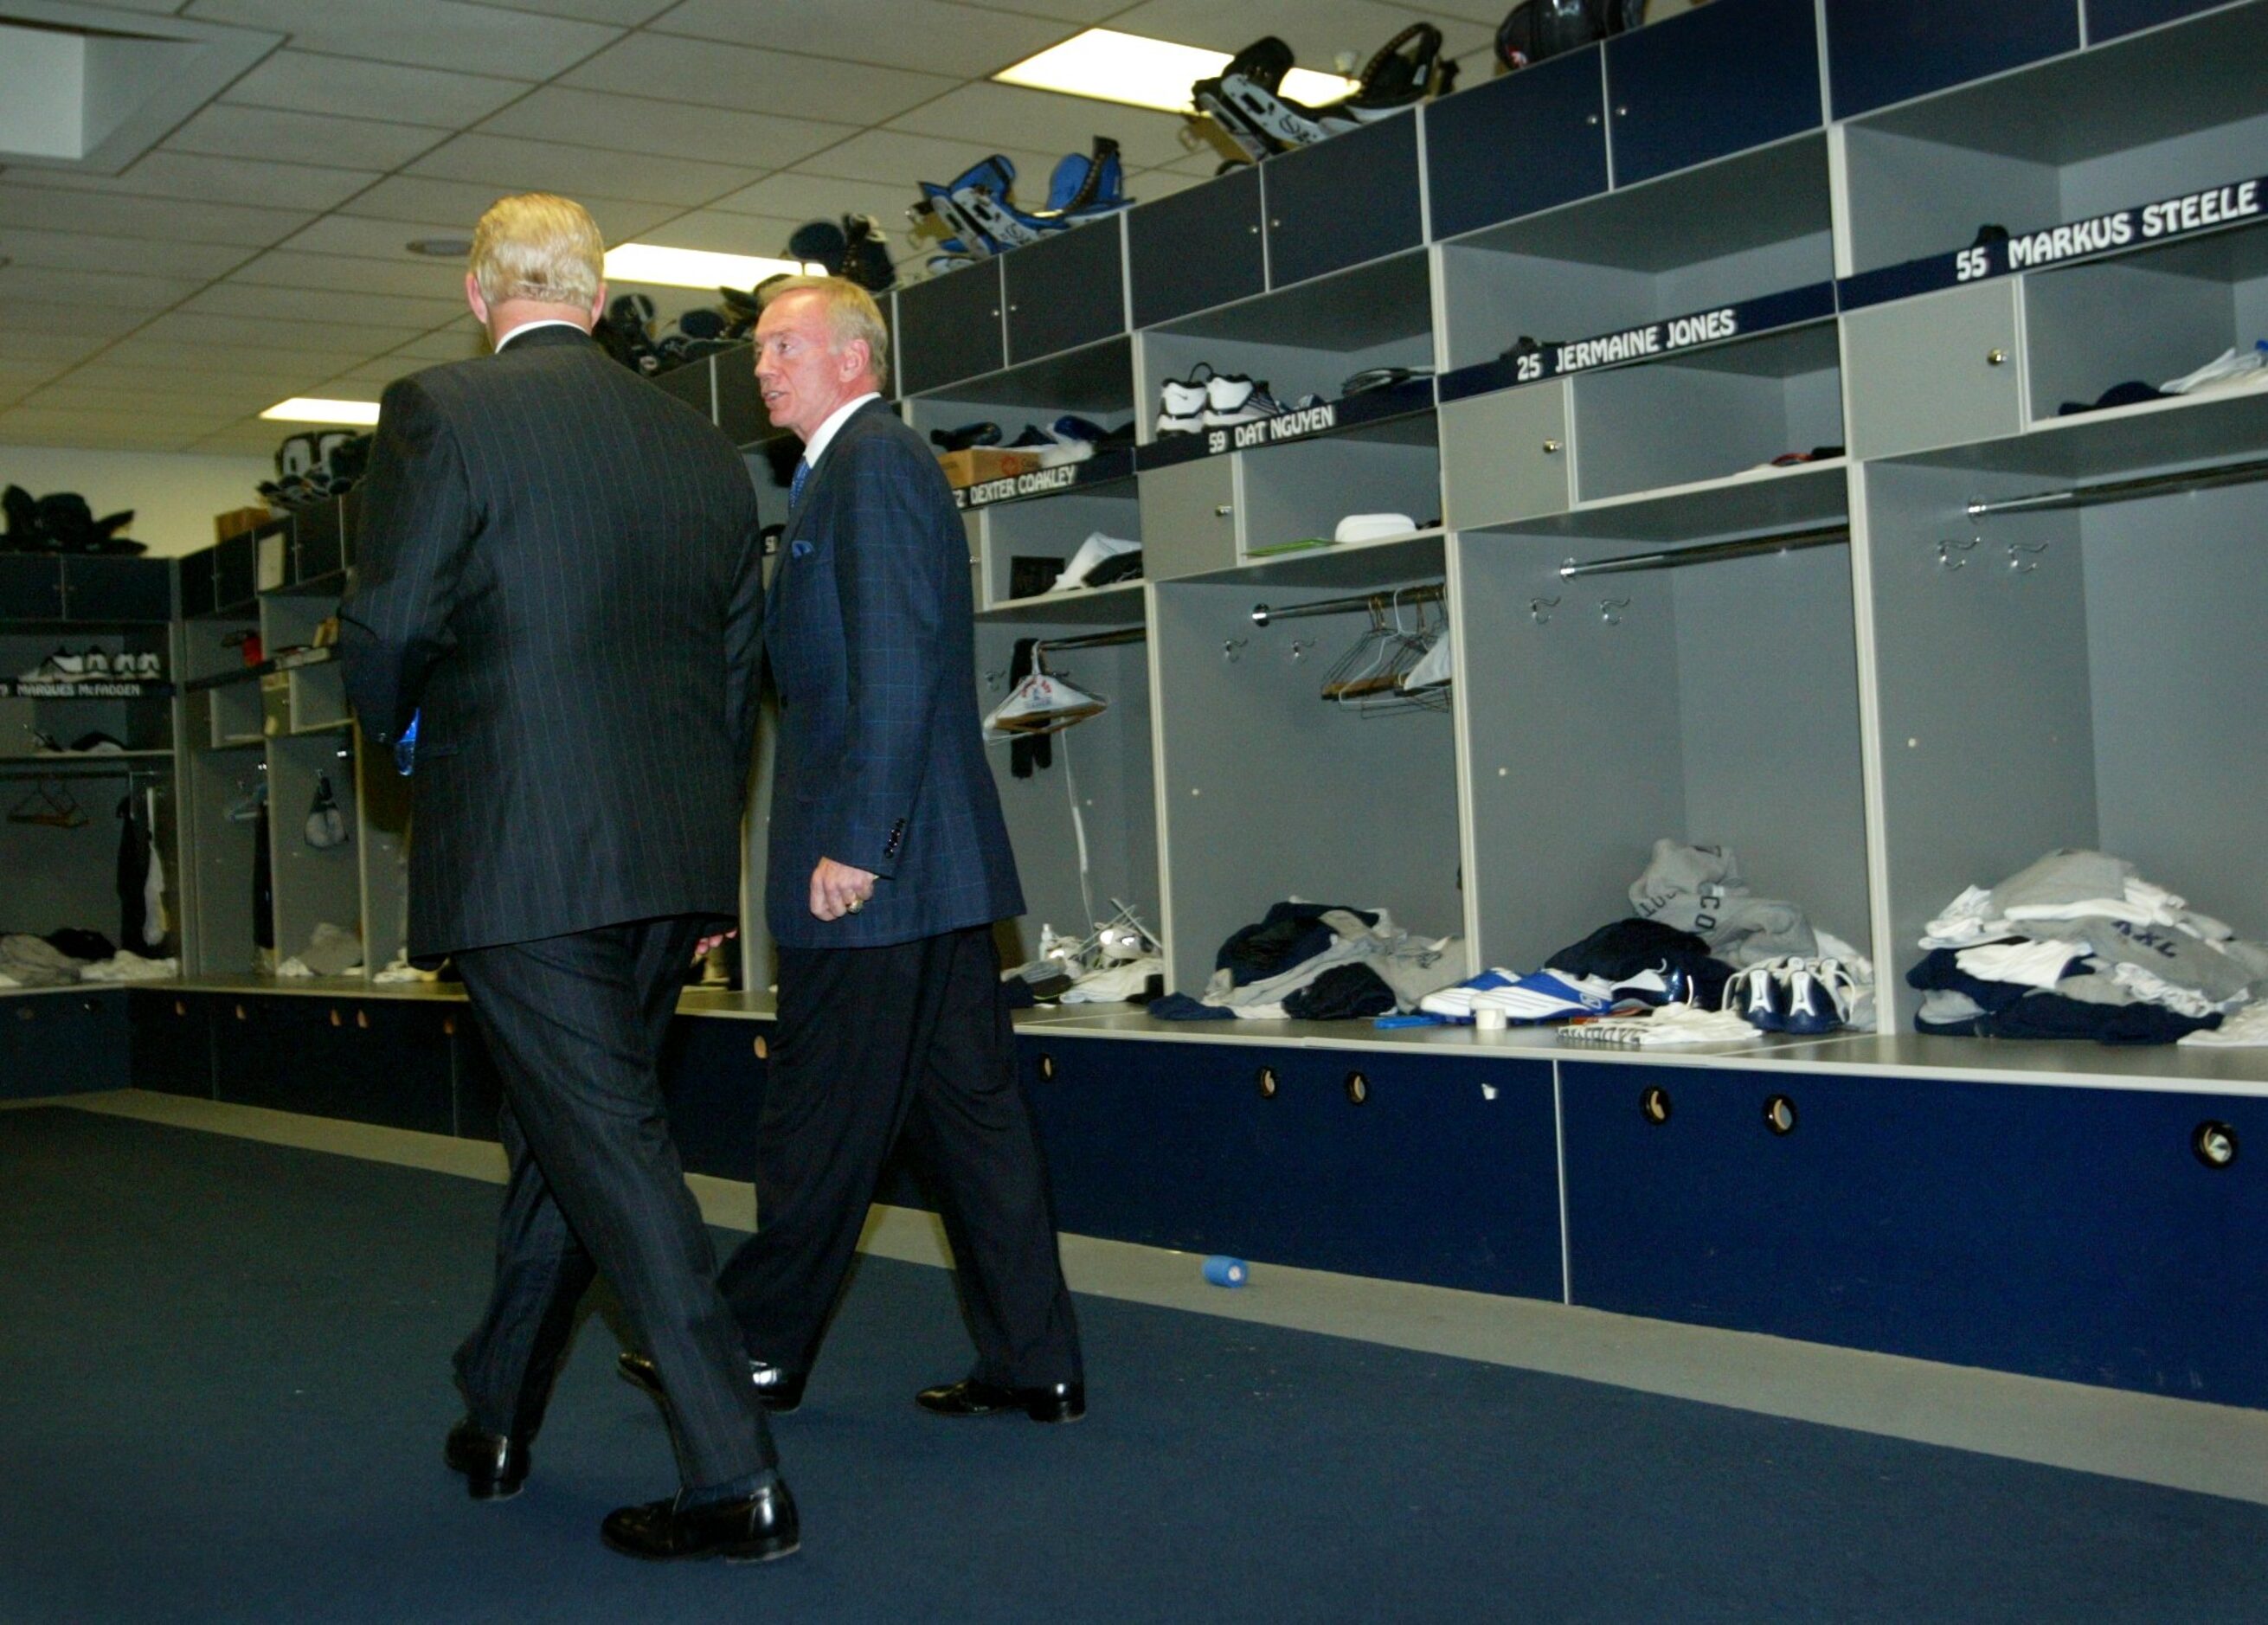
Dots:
pixel 63 1043
pixel 379 1060
pixel 172 1038
pixel 714 1082
pixel 479 1091
pixel 1514 145
pixel 198 581
pixel 112 590
pixel 1342 202
pixel 1065 290
pixel 2107 19
pixel 1732 75
pixel 31 589
pixel 949 327
pixel 1879 54
pixel 236 571
pixel 1443 1173
pixel 2069 1234
pixel 1197 249
pixel 318 542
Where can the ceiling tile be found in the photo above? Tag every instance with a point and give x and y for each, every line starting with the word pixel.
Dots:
pixel 82 250
pixel 518 166
pixel 422 197
pixel 426 33
pixel 288 337
pixel 213 179
pixel 375 375
pixel 108 435
pixel 341 235
pixel 1317 30
pixel 890 155
pixel 54 208
pixel 666 129
pixel 1069 10
pixel 715 231
pixel 931 34
pixel 34 319
pixel 625 13
pixel 791 195
pixel 441 280
pixel 775 81
pixel 110 388
pixel 319 304
pixel 453 344
pixel 284 374
pixel 106 289
pixel 1043 121
pixel 226 130
pixel 303 82
pixel 30 345
pixel 242 438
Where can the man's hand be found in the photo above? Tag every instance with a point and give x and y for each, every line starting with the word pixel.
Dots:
pixel 837 889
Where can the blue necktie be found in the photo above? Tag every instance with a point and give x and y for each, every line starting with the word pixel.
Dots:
pixel 795 486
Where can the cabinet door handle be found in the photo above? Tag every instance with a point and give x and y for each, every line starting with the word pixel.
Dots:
pixel 1591 119
pixel 1551 448
pixel 1221 511
pixel 1995 357
pixel 1012 309
pixel 1622 113
pixel 1253 229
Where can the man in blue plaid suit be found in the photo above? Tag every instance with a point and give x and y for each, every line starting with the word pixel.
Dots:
pixel 888 865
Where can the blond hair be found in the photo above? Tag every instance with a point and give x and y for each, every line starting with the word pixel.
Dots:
pixel 851 314
pixel 538 247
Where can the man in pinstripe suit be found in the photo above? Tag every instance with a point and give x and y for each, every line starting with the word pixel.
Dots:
pixel 558 566
pixel 888 863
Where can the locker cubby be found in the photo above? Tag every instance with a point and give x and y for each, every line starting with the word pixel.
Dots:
pixel 2149 316
pixel 1268 791
pixel 142 726
pixel 60 878
pixel 2129 122
pixel 313 886
pixel 383 853
pixel 1107 758
pixel 1051 527
pixel 2084 676
pixel 315 696
pixel 1301 489
pixel 1305 340
pixel 1707 413
pixel 1714 701
pixel 1095 382
pixel 1735 230
pixel 220 935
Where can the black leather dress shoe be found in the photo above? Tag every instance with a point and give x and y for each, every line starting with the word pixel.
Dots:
pixel 753 1529
pixel 1057 1401
pixel 776 1390
pixel 495 1465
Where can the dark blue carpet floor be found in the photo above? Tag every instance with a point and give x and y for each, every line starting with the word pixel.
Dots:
pixel 227 1381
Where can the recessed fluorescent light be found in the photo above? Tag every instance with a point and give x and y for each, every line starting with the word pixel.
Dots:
pixel 311 409
pixel 691 267
pixel 1110 66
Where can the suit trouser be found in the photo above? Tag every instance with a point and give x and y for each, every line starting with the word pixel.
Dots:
pixel 911 1039
pixel 576 1025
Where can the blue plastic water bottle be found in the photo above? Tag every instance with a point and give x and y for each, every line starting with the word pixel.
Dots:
pixel 1223 1270
pixel 405 749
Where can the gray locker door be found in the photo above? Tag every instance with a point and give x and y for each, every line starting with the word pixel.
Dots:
pixel 1189 517
pixel 1506 456
pixel 1941 370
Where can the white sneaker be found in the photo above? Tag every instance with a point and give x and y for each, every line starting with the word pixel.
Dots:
pixel 1236 399
pixel 59 667
pixel 148 667
pixel 1181 402
pixel 97 662
pixel 2230 369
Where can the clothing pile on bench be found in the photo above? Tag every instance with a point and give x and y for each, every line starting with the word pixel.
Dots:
pixel 1319 962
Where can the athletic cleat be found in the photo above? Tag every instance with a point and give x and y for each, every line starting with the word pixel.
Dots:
pixel 1233 399
pixel 1181 402
pixel 1758 996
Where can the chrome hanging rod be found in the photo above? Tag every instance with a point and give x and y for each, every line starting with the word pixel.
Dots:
pixel 1431 594
pixel 1707 553
pixel 1094 640
pixel 2120 490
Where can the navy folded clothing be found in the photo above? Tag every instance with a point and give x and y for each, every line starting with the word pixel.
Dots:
pixel 1291 934
pixel 1181 1007
pixel 1621 950
pixel 1342 993
pixel 2009 1009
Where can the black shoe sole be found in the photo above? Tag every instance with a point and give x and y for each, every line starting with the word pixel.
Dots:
pixel 762 1552
pixel 493 1491
pixel 653 1390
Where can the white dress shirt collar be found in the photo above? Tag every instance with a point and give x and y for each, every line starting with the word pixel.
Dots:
pixel 816 446
pixel 530 326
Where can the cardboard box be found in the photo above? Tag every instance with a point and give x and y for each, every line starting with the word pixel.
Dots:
pixel 980 463
pixel 238 521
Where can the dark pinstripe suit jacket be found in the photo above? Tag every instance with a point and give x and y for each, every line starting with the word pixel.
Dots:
pixel 881 752
pixel 559 565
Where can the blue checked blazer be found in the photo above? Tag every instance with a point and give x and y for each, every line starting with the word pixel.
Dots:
pixel 560 565
pixel 881 762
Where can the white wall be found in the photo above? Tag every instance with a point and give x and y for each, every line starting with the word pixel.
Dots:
pixel 174 494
